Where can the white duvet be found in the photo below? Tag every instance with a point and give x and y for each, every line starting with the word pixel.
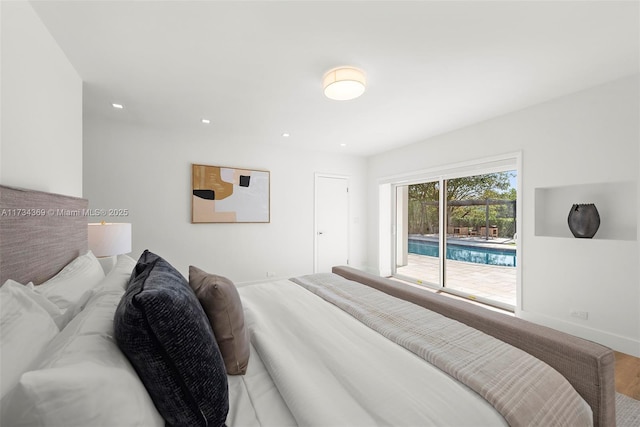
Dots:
pixel 332 370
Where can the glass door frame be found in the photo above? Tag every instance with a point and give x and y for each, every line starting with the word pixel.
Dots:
pixel 504 163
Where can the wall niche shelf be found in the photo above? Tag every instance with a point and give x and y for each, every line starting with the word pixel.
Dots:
pixel 616 202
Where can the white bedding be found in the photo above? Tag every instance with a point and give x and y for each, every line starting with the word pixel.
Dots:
pixel 332 370
pixel 254 400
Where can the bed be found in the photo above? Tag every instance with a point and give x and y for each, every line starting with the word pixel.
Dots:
pixel 342 348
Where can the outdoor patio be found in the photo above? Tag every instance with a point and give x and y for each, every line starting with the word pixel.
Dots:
pixel 484 281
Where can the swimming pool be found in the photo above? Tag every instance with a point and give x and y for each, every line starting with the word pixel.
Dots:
pixel 461 252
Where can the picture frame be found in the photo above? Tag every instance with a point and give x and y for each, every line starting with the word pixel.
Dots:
pixel 221 194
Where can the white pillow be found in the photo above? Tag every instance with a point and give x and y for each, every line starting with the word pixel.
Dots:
pixel 118 278
pixel 119 275
pixel 28 289
pixel 68 286
pixel 83 379
pixel 25 329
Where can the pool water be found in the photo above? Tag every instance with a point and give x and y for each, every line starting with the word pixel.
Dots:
pixel 461 252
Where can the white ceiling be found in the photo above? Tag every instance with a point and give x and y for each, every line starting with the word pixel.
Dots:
pixel 255 68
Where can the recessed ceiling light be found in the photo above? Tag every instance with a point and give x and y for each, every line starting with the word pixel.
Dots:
pixel 343 145
pixel 286 135
pixel 205 121
pixel 118 106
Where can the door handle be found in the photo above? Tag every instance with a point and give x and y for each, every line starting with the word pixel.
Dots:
pixel 320 232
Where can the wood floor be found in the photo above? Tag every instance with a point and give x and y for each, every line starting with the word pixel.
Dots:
pixel 628 375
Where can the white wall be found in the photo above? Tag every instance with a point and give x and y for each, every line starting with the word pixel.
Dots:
pixel 41 107
pixel 588 137
pixel 148 171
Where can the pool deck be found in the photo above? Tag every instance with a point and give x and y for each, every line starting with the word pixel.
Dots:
pixel 480 280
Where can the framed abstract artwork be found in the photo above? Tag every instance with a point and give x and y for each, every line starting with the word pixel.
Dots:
pixel 223 194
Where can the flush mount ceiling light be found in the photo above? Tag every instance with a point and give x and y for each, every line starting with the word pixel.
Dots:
pixel 343 83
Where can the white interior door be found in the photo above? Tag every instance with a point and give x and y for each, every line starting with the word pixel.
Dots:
pixel 331 222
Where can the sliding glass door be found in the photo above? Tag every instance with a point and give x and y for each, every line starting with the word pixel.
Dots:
pixel 471 219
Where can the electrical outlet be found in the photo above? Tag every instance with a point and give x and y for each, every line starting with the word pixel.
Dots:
pixel 579 314
pixel 271 274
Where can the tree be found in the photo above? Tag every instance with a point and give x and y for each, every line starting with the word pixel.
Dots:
pixel 475 190
pixel 423 207
pixel 478 186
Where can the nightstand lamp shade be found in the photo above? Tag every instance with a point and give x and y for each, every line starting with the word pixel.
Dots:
pixel 106 240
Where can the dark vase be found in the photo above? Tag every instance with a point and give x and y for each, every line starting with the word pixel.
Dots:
pixel 584 220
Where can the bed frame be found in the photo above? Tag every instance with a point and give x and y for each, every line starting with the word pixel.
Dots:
pixel 35 247
pixel 40 233
pixel 588 366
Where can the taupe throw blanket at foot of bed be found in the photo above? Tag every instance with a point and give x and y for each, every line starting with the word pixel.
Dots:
pixel 525 390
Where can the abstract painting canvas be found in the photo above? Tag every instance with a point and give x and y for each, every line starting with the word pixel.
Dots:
pixel 222 194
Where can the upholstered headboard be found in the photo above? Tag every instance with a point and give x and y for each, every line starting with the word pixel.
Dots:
pixel 39 233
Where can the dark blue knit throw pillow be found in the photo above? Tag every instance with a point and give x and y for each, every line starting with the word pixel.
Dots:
pixel 162 329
